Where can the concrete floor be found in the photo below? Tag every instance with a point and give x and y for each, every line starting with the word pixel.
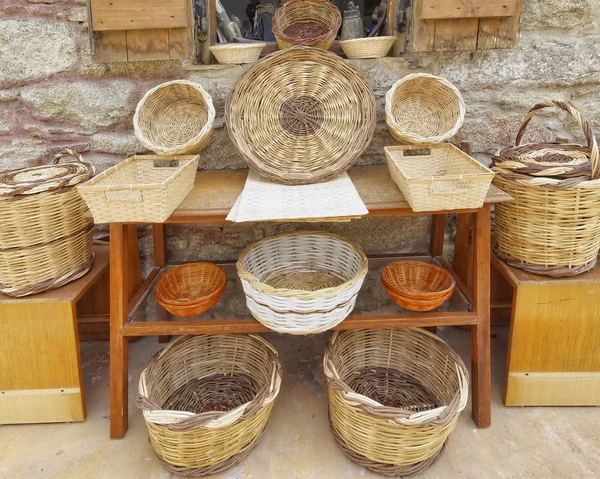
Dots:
pixel 543 443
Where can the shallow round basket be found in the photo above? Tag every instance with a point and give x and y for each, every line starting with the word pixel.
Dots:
pixel 372 47
pixel 190 289
pixel 237 53
pixel 207 399
pixel 395 396
pixel 416 285
pixel 422 108
pixel 301 115
pixel 313 23
pixel 302 282
pixel 175 118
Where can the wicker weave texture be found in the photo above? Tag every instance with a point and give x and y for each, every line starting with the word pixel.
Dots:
pixel 207 399
pixel 371 47
pixel 394 396
pixel 237 53
pixel 45 227
pixel 553 225
pixel 301 115
pixel 422 108
pixel 417 285
pixel 302 282
pixel 175 118
pixel 141 189
pixel 438 177
pixel 190 289
pixel 313 23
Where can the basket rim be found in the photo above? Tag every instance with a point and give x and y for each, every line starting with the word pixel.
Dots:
pixel 238 46
pixel 197 265
pixel 264 288
pixel 316 40
pixel 368 39
pixel 410 263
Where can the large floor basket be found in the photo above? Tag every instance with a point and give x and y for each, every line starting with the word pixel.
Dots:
pixel 207 399
pixel 302 282
pixel 394 397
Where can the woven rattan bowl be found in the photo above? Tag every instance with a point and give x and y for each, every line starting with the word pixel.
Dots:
pixel 371 47
pixel 191 288
pixel 301 115
pixel 312 23
pixel 422 108
pixel 302 282
pixel 417 285
pixel 207 399
pixel 175 118
pixel 237 53
pixel 395 396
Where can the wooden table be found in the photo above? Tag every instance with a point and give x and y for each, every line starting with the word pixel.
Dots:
pixel 211 199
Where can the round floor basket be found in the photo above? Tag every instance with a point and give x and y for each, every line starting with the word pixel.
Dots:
pixel 422 108
pixel 553 225
pixel 395 396
pixel 46 229
pixel 302 282
pixel 301 115
pixel 207 399
pixel 175 118
pixel 313 23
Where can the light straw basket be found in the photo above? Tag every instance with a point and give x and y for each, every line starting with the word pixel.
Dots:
pixel 237 53
pixel 370 47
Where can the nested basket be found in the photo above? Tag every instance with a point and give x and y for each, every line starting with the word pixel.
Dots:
pixel 301 115
pixel 552 227
pixel 46 230
pixel 313 23
pixel 302 282
pixel 370 47
pixel 395 396
pixel 141 189
pixel 237 53
pixel 207 399
pixel 175 118
pixel 423 108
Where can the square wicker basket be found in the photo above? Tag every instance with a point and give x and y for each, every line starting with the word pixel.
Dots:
pixel 438 177
pixel 141 189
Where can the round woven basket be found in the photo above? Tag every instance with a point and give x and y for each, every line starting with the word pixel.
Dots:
pixel 417 285
pixel 46 229
pixel 207 399
pixel 371 47
pixel 301 115
pixel 237 53
pixel 313 23
pixel 175 118
pixel 394 397
pixel 191 289
pixel 302 282
pixel 552 227
pixel 422 108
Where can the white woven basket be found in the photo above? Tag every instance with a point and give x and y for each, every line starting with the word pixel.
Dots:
pixel 370 47
pixel 302 282
pixel 237 53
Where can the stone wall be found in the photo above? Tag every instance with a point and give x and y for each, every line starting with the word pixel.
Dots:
pixel 52 95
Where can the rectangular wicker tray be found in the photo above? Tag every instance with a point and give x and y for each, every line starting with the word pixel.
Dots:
pixel 141 189
pixel 438 177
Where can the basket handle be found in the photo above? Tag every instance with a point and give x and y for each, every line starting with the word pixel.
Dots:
pixel 67 152
pixel 585 126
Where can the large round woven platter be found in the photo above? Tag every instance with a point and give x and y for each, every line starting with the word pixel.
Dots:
pixel 301 115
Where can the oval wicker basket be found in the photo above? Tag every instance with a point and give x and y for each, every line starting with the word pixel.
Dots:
pixel 552 227
pixel 370 47
pixel 313 23
pixel 207 399
pixel 237 53
pixel 416 285
pixel 302 282
pixel 46 229
pixel 395 396
pixel 190 289
pixel 175 118
pixel 422 108
pixel 284 116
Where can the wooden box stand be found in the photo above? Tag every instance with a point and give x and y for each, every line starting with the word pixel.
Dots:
pixel 554 346
pixel 40 365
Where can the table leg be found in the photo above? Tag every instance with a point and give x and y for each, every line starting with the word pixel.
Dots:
pixel 480 333
pixel 119 242
pixel 160 257
pixel 438 227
